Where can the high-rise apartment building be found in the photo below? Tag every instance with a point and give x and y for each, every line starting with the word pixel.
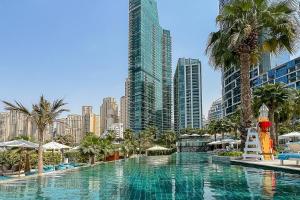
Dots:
pixel 149 63
pixel 74 123
pixel 215 112
pixel 188 94
pixel 123 111
pixel 108 113
pixel 87 120
pixel 231 81
pixel 97 122
pixel 124 102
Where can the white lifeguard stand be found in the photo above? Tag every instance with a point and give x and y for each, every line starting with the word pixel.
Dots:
pixel 252 146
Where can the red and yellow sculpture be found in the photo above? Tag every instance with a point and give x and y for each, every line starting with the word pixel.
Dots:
pixel 264 134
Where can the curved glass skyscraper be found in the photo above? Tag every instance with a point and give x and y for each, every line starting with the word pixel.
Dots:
pixel 149 68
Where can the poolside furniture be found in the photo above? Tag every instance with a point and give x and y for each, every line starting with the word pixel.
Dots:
pixel 289 156
pixel 293 155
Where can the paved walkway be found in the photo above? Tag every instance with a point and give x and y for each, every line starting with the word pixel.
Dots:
pixel 289 165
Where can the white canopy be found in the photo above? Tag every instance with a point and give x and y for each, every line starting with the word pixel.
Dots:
pixel 157 148
pixel 19 144
pixel 206 135
pixel 290 135
pixel 215 143
pixel 55 146
pixel 225 141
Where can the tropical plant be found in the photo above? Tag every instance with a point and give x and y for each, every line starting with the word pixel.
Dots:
pixel 274 96
pixel 169 137
pixel 105 147
pixel 43 114
pixel 130 143
pixel 248 29
pixel 90 146
pixel 65 139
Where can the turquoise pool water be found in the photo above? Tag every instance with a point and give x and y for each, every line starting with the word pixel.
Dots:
pixel 180 176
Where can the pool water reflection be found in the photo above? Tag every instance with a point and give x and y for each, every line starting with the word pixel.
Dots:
pixel 180 176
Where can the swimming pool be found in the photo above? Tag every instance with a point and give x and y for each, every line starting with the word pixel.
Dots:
pixel 180 176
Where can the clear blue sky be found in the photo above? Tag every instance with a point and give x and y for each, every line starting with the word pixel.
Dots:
pixel 77 49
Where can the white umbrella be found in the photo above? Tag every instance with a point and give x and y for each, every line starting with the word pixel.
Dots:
pixel 290 135
pixel 157 148
pixel 55 146
pixel 19 144
pixel 215 143
pixel 206 135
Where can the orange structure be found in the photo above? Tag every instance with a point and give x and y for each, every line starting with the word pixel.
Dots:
pixel 265 138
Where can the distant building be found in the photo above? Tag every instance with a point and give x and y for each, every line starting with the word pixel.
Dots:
pixel 188 94
pixel 216 111
pixel 97 122
pixel 109 113
pixel 124 111
pixel 149 68
pixel 87 119
pixel 74 123
pixel 4 126
pixel 118 128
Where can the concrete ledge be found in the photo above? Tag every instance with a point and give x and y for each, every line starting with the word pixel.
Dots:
pixel 289 166
pixel 224 159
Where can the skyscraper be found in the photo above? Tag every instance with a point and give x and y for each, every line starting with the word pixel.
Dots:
pixel 87 120
pixel 149 63
pixel 75 127
pixel 188 94
pixel 124 117
pixel 215 112
pixel 109 113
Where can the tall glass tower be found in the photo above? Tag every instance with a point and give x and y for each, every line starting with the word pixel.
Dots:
pixel 149 68
pixel 188 94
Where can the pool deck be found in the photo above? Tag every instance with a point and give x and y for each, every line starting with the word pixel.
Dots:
pixel 289 165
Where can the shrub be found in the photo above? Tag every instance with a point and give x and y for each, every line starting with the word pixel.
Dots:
pixel 231 154
pixel 76 156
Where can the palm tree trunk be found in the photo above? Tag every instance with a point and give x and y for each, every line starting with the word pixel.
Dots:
pixel 246 96
pixel 215 137
pixel 40 153
pixel 223 144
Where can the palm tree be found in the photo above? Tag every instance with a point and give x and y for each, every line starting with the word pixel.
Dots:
pixel 43 114
pixel 212 128
pixel 248 29
pixel 169 137
pixel 90 146
pixel 274 96
pixel 106 147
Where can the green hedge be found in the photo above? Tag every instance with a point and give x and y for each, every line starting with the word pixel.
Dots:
pixel 76 156
pixel 231 154
pixel 11 158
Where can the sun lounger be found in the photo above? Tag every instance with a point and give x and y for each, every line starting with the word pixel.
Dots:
pixel 289 156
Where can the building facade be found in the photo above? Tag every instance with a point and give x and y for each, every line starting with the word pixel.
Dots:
pixel 123 110
pixel 188 94
pixel 215 112
pixel 87 119
pixel 74 123
pixel 287 73
pixel 149 63
pixel 109 113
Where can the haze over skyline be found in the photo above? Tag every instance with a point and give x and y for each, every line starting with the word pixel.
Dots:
pixel 78 50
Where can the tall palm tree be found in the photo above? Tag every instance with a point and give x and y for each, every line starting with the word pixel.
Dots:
pixel 248 29
pixel 43 114
pixel 274 96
